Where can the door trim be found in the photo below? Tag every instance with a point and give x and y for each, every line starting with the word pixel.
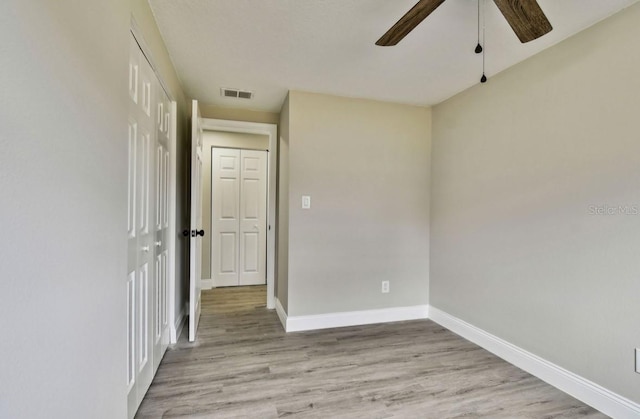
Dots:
pixel 174 327
pixel 144 47
pixel 272 131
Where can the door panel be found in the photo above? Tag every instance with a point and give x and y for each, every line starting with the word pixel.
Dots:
pixel 253 218
pixel 251 196
pixel 228 189
pixel 131 178
pixel 132 244
pixel 143 181
pixel 141 195
pixel 228 246
pixel 195 244
pixel 146 288
pixel 143 318
pixel 157 331
pixel 131 330
pixel 251 260
pixel 225 195
pixel 160 226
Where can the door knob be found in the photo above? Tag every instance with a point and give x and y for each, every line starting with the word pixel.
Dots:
pixel 145 249
pixel 255 226
pixel 158 244
pixel 193 233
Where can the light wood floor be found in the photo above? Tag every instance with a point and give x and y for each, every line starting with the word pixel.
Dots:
pixel 243 365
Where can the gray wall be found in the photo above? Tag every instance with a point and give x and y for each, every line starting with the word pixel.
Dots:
pixel 518 165
pixel 220 139
pixel 282 239
pixel 366 166
pixel 63 114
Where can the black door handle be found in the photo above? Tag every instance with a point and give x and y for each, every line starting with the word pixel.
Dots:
pixel 193 233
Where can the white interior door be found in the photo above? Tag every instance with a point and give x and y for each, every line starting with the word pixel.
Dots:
pixel 225 212
pixel 238 217
pixel 150 149
pixel 161 226
pixel 140 230
pixel 195 245
pixel 253 218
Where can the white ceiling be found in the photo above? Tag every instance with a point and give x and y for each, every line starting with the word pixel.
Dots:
pixel 327 46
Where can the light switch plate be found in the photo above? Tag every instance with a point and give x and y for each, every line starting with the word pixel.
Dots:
pixel 306 202
pixel 385 287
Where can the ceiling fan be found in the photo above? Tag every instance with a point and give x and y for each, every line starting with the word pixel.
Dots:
pixel 526 18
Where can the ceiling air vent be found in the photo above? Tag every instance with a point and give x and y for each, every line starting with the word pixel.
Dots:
pixel 241 94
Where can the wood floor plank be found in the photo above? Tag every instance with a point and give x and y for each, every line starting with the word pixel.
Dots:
pixel 243 365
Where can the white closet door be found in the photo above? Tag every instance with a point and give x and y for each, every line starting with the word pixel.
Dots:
pixel 253 217
pixel 161 227
pixel 238 217
pixel 140 228
pixel 225 226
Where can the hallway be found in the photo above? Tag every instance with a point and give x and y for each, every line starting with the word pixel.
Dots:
pixel 244 365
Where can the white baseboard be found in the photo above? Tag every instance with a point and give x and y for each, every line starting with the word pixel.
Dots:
pixel 353 318
pixel 582 389
pixel 207 284
pixel 224 282
pixel 282 315
pixel 176 329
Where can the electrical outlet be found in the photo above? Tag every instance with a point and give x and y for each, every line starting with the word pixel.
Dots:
pixel 638 360
pixel 385 287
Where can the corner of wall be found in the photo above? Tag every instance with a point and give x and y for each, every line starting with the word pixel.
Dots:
pixel 282 239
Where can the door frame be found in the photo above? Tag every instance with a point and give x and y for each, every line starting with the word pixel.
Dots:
pixel 270 130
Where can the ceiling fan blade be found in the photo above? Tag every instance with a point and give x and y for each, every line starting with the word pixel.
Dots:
pixel 408 22
pixel 526 18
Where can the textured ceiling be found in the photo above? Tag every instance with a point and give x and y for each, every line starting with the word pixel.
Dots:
pixel 327 46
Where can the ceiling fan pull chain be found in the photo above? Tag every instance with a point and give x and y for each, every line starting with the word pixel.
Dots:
pixel 478 49
pixel 483 79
